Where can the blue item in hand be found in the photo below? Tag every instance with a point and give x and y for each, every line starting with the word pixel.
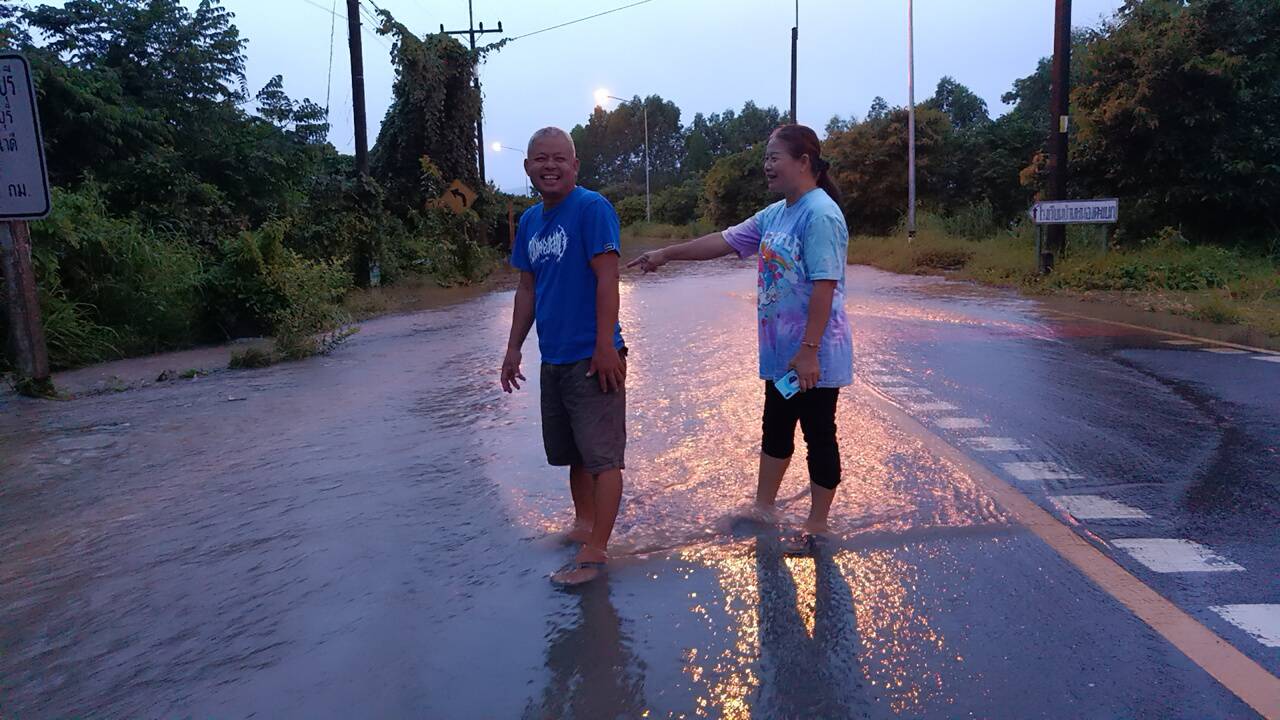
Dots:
pixel 788 385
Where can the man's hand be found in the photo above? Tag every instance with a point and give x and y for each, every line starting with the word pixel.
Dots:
pixel 807 367
pixel 650 261
pixel 511 376
pixel 608 366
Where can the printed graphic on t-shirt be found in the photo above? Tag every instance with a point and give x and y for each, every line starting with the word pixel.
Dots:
pixel 779 267
pixel 550 244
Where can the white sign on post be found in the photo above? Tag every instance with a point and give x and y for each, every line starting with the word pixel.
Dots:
pixel 1076 212
pixel 24 180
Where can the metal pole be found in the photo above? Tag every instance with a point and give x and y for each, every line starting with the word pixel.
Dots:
pixel 25 329
pixel 1060 98
pixel 911 123
pixel 795 42
pixel 357 86
pixel 648 217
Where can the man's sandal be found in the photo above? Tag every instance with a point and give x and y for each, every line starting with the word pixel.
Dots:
pixel 598 566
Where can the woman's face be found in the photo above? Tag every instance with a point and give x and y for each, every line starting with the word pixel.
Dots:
pixel 783 172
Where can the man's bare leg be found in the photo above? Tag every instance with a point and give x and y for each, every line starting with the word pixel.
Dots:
pixel 607 500
pixel 582 488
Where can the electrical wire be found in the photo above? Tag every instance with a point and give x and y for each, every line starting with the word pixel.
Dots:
pixel 333 30
pixel 582 19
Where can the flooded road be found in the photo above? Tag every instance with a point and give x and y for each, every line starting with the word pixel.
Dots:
pixel 369 534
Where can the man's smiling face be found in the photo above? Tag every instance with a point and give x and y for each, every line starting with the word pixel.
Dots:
pixel 552 166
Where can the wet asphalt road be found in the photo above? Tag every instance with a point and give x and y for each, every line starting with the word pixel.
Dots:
pixel 369 534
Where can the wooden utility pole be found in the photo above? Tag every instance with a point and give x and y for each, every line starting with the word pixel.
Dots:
pixel 911 122
pixel 26 333
pixel 357 86
pixel 1059 101
pixel 471 32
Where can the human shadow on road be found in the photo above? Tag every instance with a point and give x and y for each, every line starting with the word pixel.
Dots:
pixel 802 676
pixel 593 671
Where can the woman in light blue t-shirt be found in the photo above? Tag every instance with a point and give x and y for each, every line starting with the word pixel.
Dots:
pixel 803 244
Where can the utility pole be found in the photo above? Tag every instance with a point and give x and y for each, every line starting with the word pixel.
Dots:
pixel 795 42
pixel 1059 102
pixel 471 32
pixel 357 86
pixel 911 123
pixel 366 265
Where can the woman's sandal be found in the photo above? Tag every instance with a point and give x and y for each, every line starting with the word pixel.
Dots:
pixel 597 565
pixel 804 545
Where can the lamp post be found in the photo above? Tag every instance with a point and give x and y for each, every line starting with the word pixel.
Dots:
pixel 499 147
pixel 911 123
pixel 602 97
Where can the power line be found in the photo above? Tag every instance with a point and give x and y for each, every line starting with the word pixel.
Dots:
pixel 343 18
pixel 328 86
pixel 582 19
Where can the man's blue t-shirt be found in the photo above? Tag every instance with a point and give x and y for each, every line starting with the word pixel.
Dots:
pixel 557 246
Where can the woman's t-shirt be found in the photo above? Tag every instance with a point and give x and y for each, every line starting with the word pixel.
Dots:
pixel 798 244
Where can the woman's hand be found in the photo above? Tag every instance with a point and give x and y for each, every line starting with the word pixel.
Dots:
pixel 650 261
pixel 807 367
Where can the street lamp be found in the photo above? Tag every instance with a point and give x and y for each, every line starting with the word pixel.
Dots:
pixel 499 147
pixel 602 97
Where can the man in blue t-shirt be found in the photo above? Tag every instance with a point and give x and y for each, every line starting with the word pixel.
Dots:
pixel 567 250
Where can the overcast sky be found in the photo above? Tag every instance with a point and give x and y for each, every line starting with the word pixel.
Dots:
pixel 705 55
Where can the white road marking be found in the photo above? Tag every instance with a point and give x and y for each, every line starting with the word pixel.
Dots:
pixel 1180 343
pixel 887 379
pixel 1260 621
pixel 995 444
pixel 1096 507
pixel 1164 555
pixel 908 391
pixel 930 406
pixel 1039 471
pixel 1225 351
pixel 1267 358
pixel 960 423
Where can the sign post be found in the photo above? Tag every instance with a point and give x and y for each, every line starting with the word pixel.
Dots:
pixel 1103 213
pixel 24 195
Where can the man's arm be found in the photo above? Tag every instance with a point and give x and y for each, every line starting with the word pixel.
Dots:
pixel 521 324
pixel 605 362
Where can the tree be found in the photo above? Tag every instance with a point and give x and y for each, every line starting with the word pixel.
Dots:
pixel 735 187
pixel 1178 116
pixel 879 109
pixel 611 145
pixel 869 163
pixel 838 124
pixel 958 102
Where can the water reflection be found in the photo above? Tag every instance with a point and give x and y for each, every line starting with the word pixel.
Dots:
pixel 594 674
pixel 808 638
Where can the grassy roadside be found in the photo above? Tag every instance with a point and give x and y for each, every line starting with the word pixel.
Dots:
pixel 1164 275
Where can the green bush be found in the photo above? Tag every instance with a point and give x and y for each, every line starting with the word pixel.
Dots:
pixel 261 287
pixel 735 187
pixel 118 273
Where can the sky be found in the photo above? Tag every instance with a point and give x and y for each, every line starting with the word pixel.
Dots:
pixel 705 55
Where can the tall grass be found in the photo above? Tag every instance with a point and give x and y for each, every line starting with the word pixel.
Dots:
pixel 1210 283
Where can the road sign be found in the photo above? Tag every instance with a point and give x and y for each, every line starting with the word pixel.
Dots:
pixel 24 180
pixel 1076 212
pixel 458 197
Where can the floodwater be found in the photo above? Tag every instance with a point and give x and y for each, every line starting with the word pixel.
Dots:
pixel 369 534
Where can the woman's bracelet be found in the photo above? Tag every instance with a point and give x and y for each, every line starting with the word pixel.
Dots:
pixel 809 344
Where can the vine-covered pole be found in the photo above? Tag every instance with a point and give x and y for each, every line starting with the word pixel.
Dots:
pixel 471 32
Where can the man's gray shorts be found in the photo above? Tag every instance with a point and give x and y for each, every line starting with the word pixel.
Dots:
pixel 582 425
